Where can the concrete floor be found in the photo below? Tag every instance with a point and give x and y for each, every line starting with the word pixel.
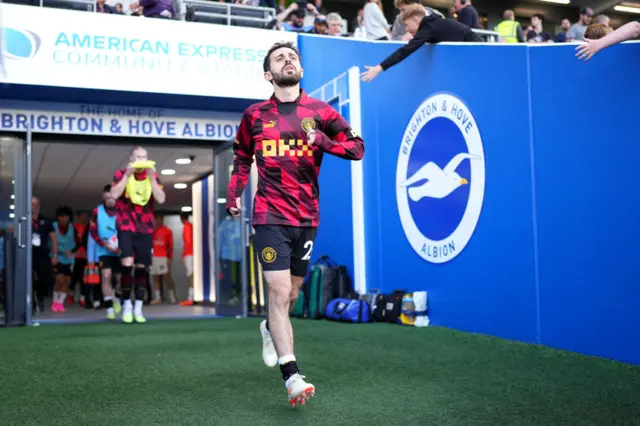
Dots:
pixel 78 314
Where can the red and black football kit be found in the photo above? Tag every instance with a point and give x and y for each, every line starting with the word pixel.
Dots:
pixel 135 223
pixel 286 207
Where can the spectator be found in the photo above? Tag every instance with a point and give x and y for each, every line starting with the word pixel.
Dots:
pixel 359 30
pixel 602 20
pixel 101 7
pixel 576 32
pixel 154 8
pixel 426 27
pixel 626 32
pixel 320 26
pixel 375 23
pixel 399 30
pixel 295 17
pixel 509 29
pixel 561 37
pixel 537 34
pixel 118 10
pixel 597 31
pixel 334 22
pixel 467 14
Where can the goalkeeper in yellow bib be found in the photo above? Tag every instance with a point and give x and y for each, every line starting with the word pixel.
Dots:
pixel 137 189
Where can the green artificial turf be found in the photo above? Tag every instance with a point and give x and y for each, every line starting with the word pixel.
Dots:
pixel 197 372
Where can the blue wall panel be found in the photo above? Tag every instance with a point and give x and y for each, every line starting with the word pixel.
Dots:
pixel 490 287
pixel 586 156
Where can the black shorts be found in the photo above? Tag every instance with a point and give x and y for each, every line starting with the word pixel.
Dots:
pixel 60 269
pixel 138 246
pixel 285 248
pixel 110 262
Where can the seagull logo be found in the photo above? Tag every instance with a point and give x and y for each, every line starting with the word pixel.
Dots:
pixel 439 207
pixel 439 182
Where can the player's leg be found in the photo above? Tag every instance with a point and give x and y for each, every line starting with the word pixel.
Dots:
pixel 106 263
pixel 125 243
pixel 155 271
pixel 142 247
pixel 171 288
pixel 66 283
pixel 117 291
pixel 188 266
pixel 274 247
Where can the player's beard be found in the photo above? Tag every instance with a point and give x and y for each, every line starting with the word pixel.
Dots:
pixel 286 80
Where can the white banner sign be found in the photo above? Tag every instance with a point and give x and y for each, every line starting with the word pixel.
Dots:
pixel 55 47
pixel 113 120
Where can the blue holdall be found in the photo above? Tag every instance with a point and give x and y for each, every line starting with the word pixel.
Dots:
pixel 348 310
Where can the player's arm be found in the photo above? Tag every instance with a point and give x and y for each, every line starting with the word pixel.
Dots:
pixel 157 188
pixel 93 229
pixel 422 36
pixel 243 149
pixel 591 47
pixel 337 137
pixel 119 183
pixel 54 239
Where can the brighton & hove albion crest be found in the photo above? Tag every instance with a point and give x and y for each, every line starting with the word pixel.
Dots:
pixel 440 178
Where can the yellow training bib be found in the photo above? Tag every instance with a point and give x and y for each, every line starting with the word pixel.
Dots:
pixel 139 191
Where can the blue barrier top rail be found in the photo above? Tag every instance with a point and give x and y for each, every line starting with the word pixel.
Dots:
pixel 206 11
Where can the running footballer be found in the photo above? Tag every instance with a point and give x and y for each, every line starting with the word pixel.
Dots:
pixel 288 134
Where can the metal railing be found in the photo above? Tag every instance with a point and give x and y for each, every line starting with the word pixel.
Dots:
pixel 209 12
pixel 488 36
pixel 227 13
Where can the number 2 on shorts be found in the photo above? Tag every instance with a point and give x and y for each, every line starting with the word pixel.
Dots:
pixel 309 246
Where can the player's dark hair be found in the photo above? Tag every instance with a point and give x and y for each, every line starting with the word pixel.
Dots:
pixel 64 211
pixel 266 65
pixel 184 216
pixel 107 188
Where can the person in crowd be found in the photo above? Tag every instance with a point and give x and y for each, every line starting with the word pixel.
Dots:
pixel 65 236
pixel 320 26
pixel 626 32
pixel 104 232
pixel 601 20
pixel 576 31
pixel 44 253
pixel 561 37
pixel 187 255
pixel 597 31
pixel 155 8
pixel 359 31
pixel 509 29
pixel 295 15
pixel 161 262
pixel 286 222
pixel 467 13
pixel 137 189
pixel 537 34
pixel 375 23
pixel 334 23
pixel 81 228
pixel 426 27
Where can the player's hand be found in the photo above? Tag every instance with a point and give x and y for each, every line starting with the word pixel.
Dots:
pixel 311 137
pixel 235 211
pixel 587 49
pixel 370 73
pixel 130 169
pixel 54 259
pixel 112 249
pixel 407 37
